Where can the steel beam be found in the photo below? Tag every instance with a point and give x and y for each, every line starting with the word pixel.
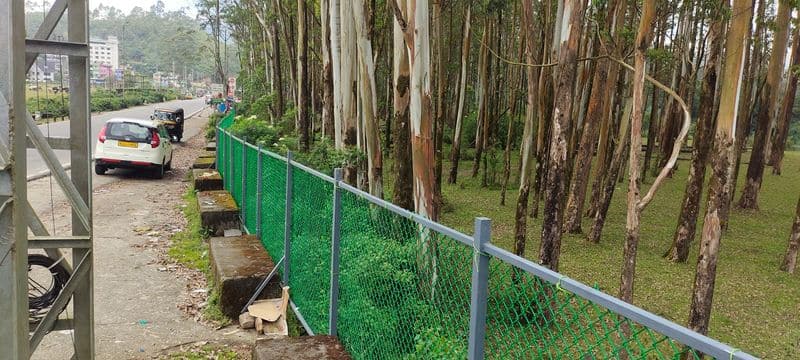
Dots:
pixel 58 242
pixel 56 143
pixel 13 188
pixel 79 119
pixel 36 47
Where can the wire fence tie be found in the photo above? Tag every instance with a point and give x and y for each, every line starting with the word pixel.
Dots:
pixel 558 284
pixel 733 351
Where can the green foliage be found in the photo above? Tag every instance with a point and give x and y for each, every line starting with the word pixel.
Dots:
pixel 256 131
pixel 324 157
pixel 431 344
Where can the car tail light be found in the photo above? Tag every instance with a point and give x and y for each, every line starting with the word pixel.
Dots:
pixel 156 140
pixel 102 135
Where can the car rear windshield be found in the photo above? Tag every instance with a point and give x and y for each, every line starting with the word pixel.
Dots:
pixel 128 132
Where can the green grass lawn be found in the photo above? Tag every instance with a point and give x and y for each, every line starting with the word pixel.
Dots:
pixel 756 306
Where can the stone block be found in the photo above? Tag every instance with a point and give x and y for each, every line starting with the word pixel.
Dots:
pixel 206 179
pixel 239 265
pixel 218 211
pixel 211 146
pixel 205 163
pixel 300 348
pixel 208 154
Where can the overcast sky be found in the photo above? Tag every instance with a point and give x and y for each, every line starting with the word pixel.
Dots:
pixel 127 5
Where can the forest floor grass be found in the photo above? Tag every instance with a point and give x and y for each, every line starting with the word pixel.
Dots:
pixel 756 306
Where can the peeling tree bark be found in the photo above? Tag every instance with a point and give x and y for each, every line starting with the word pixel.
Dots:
pixel 604 79
pixel 369 102
pixel 404 179
pixel 455 155
pixel 528 141
pixel 785 114
pixel 755 170
pixel 327 72
pixel 348 80
pixel 634 199
pixel 570 32
pixel 721 165
pixel 687 219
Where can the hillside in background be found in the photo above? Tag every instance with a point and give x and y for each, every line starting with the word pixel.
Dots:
pixel 150 39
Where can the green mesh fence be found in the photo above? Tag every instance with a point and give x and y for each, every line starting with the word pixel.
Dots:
pixel 250 215
pixel 530 318
pixel 309 274
pixel 235 187
pixel 273 208
pixel 395 302
pixel 404 289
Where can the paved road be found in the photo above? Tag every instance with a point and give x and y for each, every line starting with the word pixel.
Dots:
pixel 61 129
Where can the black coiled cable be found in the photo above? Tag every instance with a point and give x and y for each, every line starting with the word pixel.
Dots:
pixel 60 276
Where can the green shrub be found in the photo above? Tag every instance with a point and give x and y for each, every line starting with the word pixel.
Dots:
pixel 257 131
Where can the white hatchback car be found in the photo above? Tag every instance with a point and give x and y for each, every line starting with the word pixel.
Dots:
pixel 133 143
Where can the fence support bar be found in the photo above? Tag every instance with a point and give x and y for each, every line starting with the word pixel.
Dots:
pixel 261 286
pixel 259 193
pixel 335 249
pixel 480 285
pixel 287 223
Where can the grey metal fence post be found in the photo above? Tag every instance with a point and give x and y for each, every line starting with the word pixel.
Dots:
pixel 216 149
pixel 287 224
pixel 333 312
pixel 259 193
pixel 243 206
pixel 480 284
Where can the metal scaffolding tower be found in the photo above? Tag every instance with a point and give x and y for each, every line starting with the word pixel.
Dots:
pixel 18 132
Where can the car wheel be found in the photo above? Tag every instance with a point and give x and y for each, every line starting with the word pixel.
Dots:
pixel 159 174
pixel 100 169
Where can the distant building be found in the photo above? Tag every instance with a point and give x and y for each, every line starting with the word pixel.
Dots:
pixel 47 68
pixel 104 52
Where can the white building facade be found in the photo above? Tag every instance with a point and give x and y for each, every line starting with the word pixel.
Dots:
pixel 104 52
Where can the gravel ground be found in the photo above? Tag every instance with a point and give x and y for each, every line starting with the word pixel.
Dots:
pixel 145 305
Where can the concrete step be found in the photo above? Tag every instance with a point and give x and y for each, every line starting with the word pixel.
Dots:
pixel 204 163
pixel 211 146
pixel 208 154
pixel 239 265
pixel 206 179
pixel 218 211
pixel 300 348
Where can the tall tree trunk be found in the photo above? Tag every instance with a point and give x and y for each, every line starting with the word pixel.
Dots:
pixel 528 139
pixel 302 78
pixel 752 62
pixel 790 260
pixel 550 248
pixel 483 96
pixel 348 81
pixel 634 199
pixel 687 219
pixel 277 70
pixel 769 97
pixel 403 182
pixel 438 128
pixel 609 182
pixel 368 92
pixel 336 72
pixel 655 108
pixel 598 108
pixel 328 129
pixel 455 155
pixel 545 107
pixel 785 114
pixel 721 160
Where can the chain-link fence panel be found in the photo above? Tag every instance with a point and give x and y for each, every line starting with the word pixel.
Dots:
pixel 404 289
pixel 273 204
pixel 250 216
pixel 237 149
pixel 309 272
pixel 528 318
